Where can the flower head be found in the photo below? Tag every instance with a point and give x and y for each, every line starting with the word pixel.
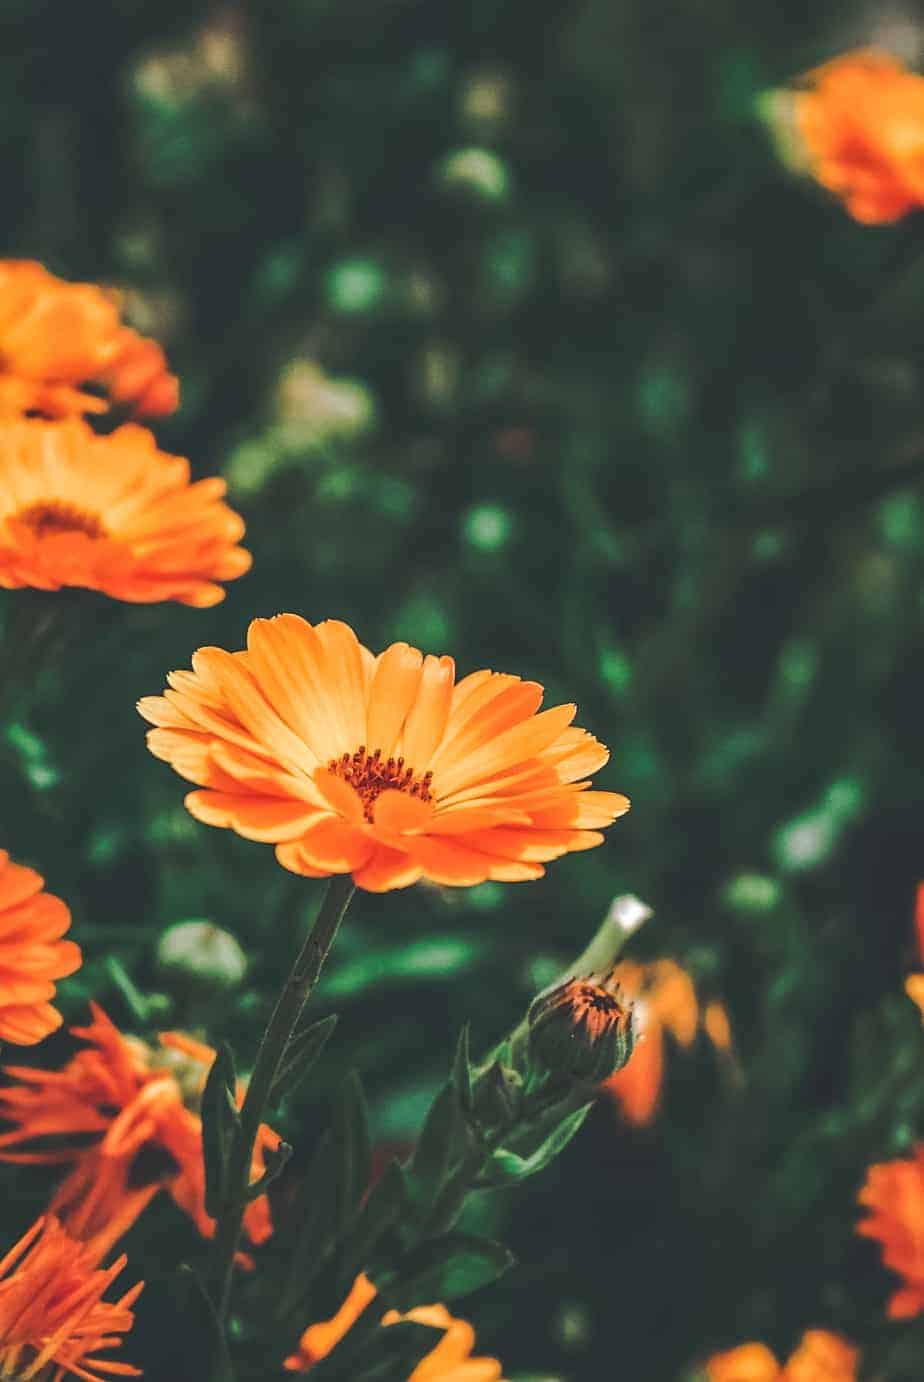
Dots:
pixel 820 1357
pixel 32 954
pixel 384 767
pixel 894 1195
pixel 57 336
pixel 111 513
pixel 664 999
pixel 582 1029
pixel 136 1111
pixel 53 1319
pixel 857 124
pixel 450 1361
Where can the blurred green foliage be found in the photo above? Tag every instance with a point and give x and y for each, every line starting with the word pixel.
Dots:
pixel 515 341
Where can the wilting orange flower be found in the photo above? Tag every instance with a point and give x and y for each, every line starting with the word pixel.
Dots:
pixel 894 1195
pixel 820 1357
pixel 53 1319
pixel 56 336
pixel 384 767
pixel 857 123
pixel 450 1361
pixel 914 984
pixel 664 999
pixel 112 514
pixel 32 954
pixel 136 1110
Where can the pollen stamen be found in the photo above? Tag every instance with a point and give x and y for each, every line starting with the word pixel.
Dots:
pixel 370 774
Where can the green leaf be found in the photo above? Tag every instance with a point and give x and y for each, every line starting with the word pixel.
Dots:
pixel 507 1166
pixel 276 1160
pixel 220 1128
pixel 350 1130
pixel 387 1207
pixel 435 958
pixel 447 1138
pixel 205 1348
pixel 455 1264
pixel 301 1054
pixel 461 1076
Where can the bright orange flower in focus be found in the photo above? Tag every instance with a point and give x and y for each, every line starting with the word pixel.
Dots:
pixel 450 1361
pixel 857 123
pixel 820 1357
pixel 894 1195
pixel 56 336
pixel 664 999
pixel 32 954
pixel 111 513
pixel 53 1319
pixel 384 767
pixel 135 1109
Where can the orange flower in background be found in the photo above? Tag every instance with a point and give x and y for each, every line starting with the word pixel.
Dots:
pixel 450 1361
pixel 112 514
pixel 664 999
pixel 894 1195
pixel 135 1109
pixel 53 1319
pixel 32 954
pixel 56 336
pixel 820 1357
pixel 857 124
pixel 914 984
pixel 384 767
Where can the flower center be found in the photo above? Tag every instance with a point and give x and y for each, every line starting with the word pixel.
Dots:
pixel 370 774
pixel 48 518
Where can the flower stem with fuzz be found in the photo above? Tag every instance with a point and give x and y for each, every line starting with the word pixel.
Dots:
pixel 298 987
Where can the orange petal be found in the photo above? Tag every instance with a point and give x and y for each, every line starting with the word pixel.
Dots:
pixel 394 687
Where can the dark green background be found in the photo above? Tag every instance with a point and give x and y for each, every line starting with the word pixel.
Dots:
pixel 648 428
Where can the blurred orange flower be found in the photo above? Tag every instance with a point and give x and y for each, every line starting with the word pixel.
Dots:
pixel 663 998
pixel 450 1361
pixel 914 984
pixel 53 1318
pixel 136 1110
pixel 56 336
pixel 111 513
pixel 820 1357
pixel 384 767
pixel 32 954
pixel 857 123
pixel 894 1194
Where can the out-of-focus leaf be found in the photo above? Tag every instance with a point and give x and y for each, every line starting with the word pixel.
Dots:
pixel 436 957
pixel 303 1050
pixel 506 1166
pixel 454 1264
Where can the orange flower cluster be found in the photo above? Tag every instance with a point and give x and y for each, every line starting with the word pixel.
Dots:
pixel 820 1357
pixel 53 1319
pixel 32 954
pixel 857 123
pixel 136 1111
pixel 108 513
pixel 56 337
pixel 894 1195
pixel 383 766
pixel 663 999
pixel 450 1361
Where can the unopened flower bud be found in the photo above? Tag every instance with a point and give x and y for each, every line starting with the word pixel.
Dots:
pixel 581 1030
pixel 201 951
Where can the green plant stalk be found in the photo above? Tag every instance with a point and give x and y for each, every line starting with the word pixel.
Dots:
pixel 296 992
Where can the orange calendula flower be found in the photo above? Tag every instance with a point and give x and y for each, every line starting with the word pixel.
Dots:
pixel 136 1111
pixel 383 767
pixel 32 954
pixel 450 1361
pixel 53 1319
pixel 857 125
pixel 820 1357
pixel 57 336
pixel 663 998
pixel 111 513
pixel 894 1195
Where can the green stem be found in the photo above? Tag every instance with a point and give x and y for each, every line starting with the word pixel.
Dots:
pixel 302 979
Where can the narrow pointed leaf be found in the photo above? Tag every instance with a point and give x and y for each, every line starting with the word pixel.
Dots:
pixel 506 1166
pixel 220 1127
pixel 454 1264
pixel 300 1056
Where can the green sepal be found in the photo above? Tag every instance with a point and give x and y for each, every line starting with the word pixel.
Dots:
pixel 300 1055
pixel 221 1126
pixel 454 1264
pixel 506 1166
